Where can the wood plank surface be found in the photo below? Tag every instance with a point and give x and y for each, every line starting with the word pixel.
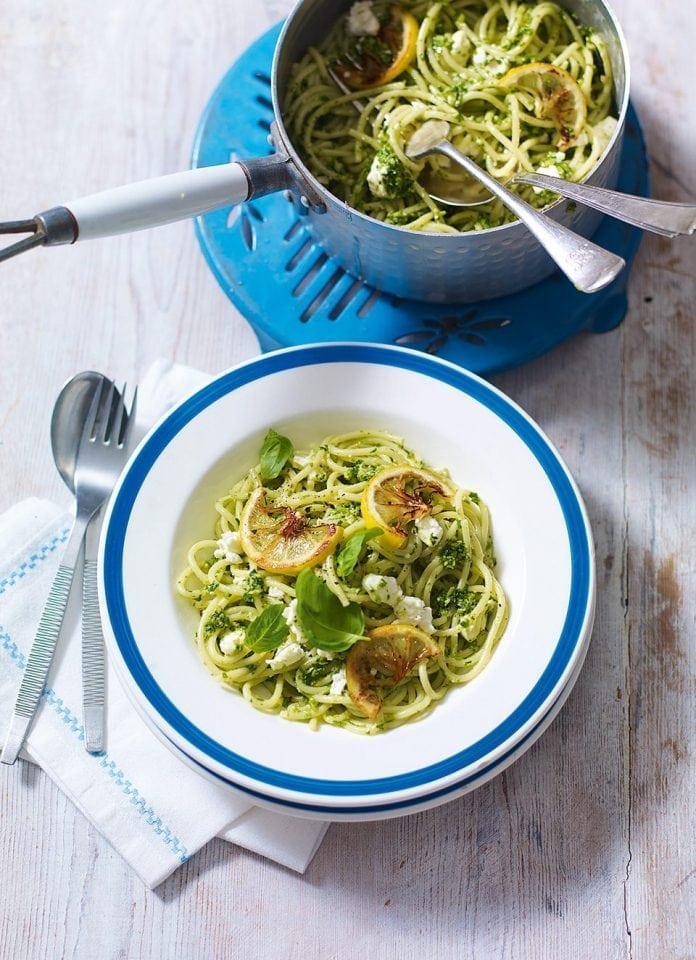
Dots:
pixel 585 847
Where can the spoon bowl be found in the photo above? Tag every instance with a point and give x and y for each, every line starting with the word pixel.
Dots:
pixel 447 184
pixel 454 191
pixel 69 414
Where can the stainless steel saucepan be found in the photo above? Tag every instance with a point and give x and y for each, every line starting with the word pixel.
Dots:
pixel 432 267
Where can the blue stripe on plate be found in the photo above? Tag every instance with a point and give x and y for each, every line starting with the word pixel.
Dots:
pixel 404 806
pixel 581 589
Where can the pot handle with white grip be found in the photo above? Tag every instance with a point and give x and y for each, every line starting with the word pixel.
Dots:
pixel 153 202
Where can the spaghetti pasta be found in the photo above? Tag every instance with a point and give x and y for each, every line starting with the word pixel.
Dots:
pixel 439 581
pixel 465 71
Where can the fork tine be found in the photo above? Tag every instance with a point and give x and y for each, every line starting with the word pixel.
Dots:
pixel 105 415
pixel 113 427
pixel 120 418
pixel 128 420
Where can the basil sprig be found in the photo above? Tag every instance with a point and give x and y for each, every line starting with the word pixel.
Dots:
pixel 268 630
pixel 325 622
pixel 276 450
pixel 352 548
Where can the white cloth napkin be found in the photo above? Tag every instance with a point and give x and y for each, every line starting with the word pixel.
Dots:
pixel 154 809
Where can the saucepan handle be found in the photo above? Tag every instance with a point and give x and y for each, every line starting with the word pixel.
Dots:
pixel 152 203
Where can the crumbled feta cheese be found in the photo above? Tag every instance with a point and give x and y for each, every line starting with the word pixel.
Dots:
pixel 239 581
pixel 406 609
pixel 428 135
pixel 362 21
pixel 494 65
pixel 290 617
pixel 231 642
pixel 229 547
pixel 429 530
pixel 287 655
pixel 498 67
pixel 460 42
pixel 338 682
pixel 551 171
pixel 413 610
pixel 275 592
pixel 382 589
pixel 290 613
pixel 376 177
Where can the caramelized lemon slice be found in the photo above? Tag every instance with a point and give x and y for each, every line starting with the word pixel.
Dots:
pixel 557 96
pixel 396 496
pixel 395 43
pixel 384 660
pixel 282 540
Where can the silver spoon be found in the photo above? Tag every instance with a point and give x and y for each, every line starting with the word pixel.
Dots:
pixel 69 413
pixel 587 266
pixel 657 216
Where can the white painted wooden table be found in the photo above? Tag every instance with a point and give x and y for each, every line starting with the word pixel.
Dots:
pixel 586 847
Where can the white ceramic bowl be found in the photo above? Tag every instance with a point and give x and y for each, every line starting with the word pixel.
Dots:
pixel 384 811
pixel 453 419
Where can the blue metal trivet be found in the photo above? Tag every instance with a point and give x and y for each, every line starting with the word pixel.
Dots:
pixel 292 292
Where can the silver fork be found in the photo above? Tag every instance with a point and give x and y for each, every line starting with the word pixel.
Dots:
pixel 101 455
pixel 93 661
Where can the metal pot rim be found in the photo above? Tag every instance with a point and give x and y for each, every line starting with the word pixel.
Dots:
pixel 302 173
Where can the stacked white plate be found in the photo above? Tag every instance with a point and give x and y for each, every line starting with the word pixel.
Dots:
pixel 453 419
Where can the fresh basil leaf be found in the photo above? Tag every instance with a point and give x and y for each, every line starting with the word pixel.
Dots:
pixel 276 450
pixel 325 622
pixel 352 548
pixel 268 630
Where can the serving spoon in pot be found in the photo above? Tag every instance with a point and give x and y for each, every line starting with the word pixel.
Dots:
pixel 587 266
